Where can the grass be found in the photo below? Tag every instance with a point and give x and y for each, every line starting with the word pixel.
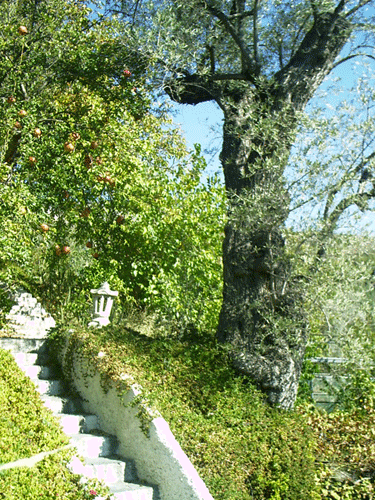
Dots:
pixel 27 428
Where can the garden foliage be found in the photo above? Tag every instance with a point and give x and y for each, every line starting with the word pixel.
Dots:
pixel 27 428
pixel 95 182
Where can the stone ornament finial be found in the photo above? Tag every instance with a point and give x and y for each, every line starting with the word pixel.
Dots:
pixel 103 298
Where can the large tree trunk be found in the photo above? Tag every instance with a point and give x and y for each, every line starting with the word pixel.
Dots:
pixel 261 315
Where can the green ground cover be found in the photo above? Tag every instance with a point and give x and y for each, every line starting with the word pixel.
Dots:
pixel 242 448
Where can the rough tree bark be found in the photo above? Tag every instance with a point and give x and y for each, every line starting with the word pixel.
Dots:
pixel 262 312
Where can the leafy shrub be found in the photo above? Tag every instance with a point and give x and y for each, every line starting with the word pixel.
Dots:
pixel 106 174
pixel 26 429
pixel 345 451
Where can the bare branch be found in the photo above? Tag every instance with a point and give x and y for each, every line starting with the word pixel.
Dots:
pixel 359 199
pixel 241 15
pixel 314 8
pixel 211 52
pixel 280 54
pixel 228 76
pixel 359 6
pixel 255 33
pixel 340 7
pixel 232 32
pixel 344 59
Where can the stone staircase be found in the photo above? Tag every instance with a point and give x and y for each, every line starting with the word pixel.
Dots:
pixel 97 448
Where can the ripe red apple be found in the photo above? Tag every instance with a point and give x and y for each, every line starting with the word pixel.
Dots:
pixel 32 160
pixel 44 227
pixel 11 99
pixel 18 125
pixel 37 132
pixel 68 147
pixel 109 180
pixel 86 212
pixel 76 136
pixel 120 219
pixel 95 255
pixel 22 30
pixel 66 250
pixel 127 73
pixel 89 244
pixel 22 113
pixel 57 250
pixel 88 161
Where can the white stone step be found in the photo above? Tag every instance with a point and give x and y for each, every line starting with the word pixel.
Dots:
pixel 60 405
pixel 25 359
pixel 22 344
pixel 91 446
pixel 76 424
pixel 104 469
pixel 40 372
pixel 129 491
pixel 50 387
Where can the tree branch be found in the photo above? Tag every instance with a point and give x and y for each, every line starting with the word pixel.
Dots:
pixel 357 7
pixel 313 59
pixel 241 15
pixel 232 32
pixel 192 89
pixel 255 34
pixel 228 76
pixel 340 7
pixel 359 199
pixel 344 59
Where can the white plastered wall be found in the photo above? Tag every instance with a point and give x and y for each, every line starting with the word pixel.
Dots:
pixel 159 458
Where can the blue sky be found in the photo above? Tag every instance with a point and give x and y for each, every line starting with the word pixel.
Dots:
pixel 202 124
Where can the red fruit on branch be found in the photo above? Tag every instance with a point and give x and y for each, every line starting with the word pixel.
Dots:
pixel 18 125
pixel 11 99
pixel 88 161
pixel 66 250
pixel 68 147
pixel 98 160
pixel 76 136
pixel 44 227
pixel 22 30
pixel 85 212
pixel 89 244
pixel 127 73
pixel 22 113
pixel 94 144
pixel 37 133
pixel 57 250
pixel 95 255
pixel 32 160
